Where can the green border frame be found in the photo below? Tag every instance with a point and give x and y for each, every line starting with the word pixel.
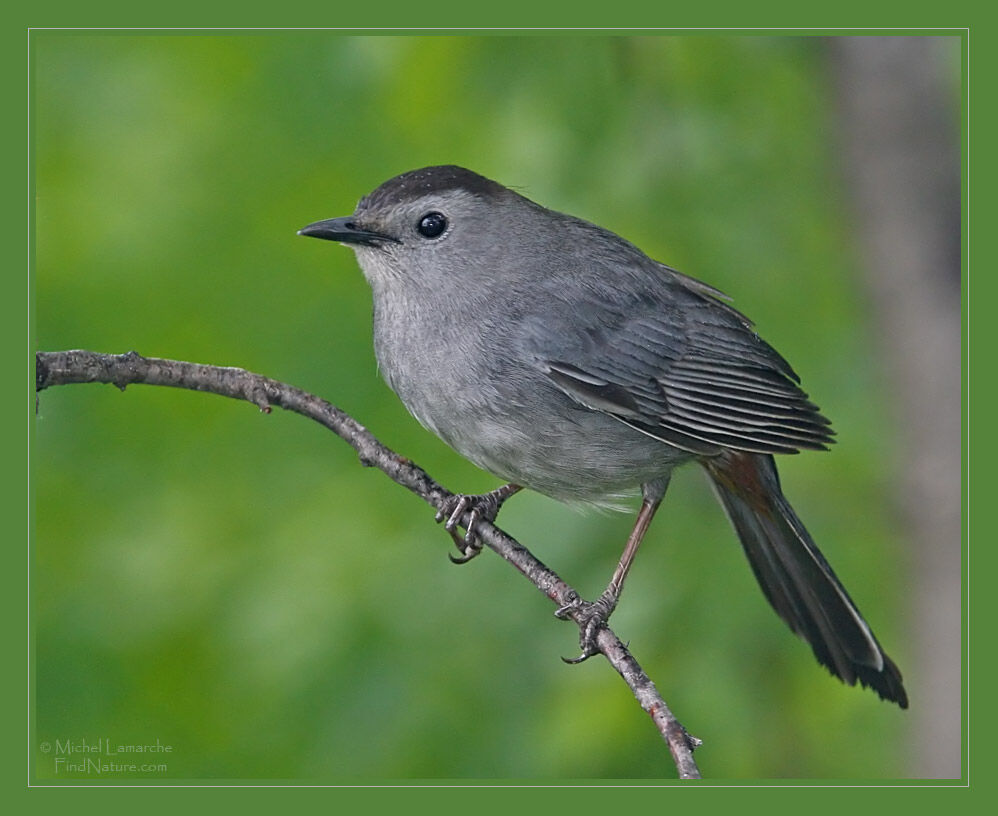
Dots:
pixel 976 55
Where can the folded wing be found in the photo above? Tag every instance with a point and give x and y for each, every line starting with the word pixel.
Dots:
pixel 687 369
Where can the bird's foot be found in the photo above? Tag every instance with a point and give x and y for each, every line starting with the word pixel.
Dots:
pixel 591 616
pixel 484 507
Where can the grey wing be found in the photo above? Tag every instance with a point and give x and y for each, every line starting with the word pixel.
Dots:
pixel 689 371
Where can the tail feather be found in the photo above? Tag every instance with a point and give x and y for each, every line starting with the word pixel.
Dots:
pixel 794 576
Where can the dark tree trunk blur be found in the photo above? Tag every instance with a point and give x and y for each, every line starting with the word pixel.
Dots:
pixel 898 125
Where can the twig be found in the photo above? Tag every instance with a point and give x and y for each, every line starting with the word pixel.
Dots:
pixel 68 367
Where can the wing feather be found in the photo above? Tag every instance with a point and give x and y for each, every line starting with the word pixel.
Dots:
pixel 683 367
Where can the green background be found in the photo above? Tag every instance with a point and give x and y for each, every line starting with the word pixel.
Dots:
pixel 236 586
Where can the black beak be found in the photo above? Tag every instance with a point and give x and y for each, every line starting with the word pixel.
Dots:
pixel 345 230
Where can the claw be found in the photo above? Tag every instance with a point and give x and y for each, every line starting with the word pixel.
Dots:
pixel 592 616
pixel 468 549
pixel 480 508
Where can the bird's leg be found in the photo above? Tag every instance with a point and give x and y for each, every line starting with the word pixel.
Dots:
pixel 483 508
pixel 592 616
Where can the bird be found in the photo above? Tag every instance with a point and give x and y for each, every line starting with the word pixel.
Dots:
pixel 559 357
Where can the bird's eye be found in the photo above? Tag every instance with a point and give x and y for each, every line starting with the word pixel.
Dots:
pixel 432 225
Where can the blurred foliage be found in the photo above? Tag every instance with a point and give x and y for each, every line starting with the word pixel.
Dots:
pixel 235 585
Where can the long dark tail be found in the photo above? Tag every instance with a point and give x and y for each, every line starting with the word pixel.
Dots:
pixel 795 577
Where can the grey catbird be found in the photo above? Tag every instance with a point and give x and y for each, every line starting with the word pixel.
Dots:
pixel 558 356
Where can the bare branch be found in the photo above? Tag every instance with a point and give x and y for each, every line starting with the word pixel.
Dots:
pixel 68 367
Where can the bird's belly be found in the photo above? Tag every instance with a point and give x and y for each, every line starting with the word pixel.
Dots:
pixel 510 420
pixel 565 451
